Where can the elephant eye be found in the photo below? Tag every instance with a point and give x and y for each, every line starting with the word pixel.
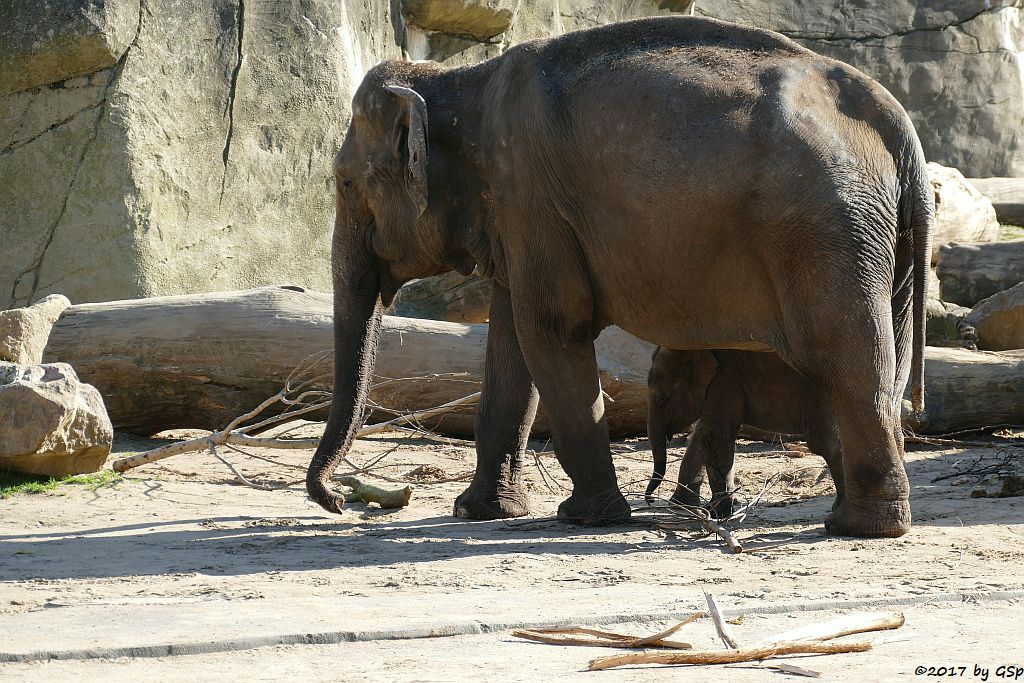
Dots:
pixel 347 182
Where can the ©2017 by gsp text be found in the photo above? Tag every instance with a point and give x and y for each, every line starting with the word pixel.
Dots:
pixel 1000 672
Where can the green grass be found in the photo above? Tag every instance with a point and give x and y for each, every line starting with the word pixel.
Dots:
pixel 1011 232
pixel 12 483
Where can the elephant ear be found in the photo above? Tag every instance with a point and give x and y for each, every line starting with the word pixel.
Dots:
pixel 414 121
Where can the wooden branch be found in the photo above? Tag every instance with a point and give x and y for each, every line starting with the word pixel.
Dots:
pixel 724 631
pixel 237 438
pixel 752 654
pixel 845 625
pixel 564 636
pixel 412 418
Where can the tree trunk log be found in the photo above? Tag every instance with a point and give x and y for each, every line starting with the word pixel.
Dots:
pixel 198 361
pixel 972 389
pixel 971 272
pixel 452 297
pixel 1006 195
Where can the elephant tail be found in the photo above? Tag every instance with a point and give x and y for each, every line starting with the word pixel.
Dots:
pixel 921 219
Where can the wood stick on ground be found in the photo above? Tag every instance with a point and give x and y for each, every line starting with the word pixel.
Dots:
pixel 795 670
pixel 594 642
pixel 751 654
pixel 715 528
pixel 231 436
pixel 724 631
pixel 564 636
pixel 845 625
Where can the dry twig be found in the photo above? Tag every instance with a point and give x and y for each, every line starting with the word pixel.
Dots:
pixel 566 636
pixel 845 625
pixel 751 654
pixel 724 632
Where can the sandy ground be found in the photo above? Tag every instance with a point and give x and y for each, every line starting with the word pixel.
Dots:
pixel 180 553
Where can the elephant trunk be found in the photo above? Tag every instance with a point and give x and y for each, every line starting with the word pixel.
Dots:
pixel 357 320
pixel 659 436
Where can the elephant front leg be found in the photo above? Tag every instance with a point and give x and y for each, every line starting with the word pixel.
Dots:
pixel 566 374
pixel 508 405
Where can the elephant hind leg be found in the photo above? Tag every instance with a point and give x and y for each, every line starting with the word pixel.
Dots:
pixel 855 358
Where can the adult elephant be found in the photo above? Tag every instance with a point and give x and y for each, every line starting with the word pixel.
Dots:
pixel 698 183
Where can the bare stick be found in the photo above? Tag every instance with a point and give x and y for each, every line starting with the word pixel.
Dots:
pixel 724 632
pixel 659 637
pixel 540 637
pixel 796 670
pixel 410 418
pixel 845 625
pixel 231 436
pixel 238 475
pixel 752 654
pixel 563 636
pixel 715 528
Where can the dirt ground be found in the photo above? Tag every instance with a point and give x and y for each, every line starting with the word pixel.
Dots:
pixel 178 557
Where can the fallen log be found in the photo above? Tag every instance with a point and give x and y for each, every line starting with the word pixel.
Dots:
pixel 199 361
pixel 972 389
pixel 972 271
pixel 1006 195
pixel 452 297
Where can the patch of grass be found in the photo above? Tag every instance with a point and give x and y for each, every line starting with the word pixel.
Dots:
pixel 1011 232
pixel 12 483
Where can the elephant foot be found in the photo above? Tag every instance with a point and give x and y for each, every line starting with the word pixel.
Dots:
pixel 607 508
pixel 686 495
pixel 869 518
pixel 724 506
pixel 473 503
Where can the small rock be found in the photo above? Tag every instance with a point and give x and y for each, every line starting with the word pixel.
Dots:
pixel 51 424
pixel 25 331
pixel 999 320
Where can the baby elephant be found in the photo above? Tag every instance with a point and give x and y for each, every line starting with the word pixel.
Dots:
pixel 720 391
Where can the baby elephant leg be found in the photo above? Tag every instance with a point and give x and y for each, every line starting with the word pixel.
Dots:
pixel 721 458
pixel 823 439
pixel 691 471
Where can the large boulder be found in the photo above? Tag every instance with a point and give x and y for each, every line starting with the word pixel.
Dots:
pixel 999 320
pixel 49 42
pixel 194 156
pixel 954 66
pixel 962 214
pixel 53 424
pixel 24 331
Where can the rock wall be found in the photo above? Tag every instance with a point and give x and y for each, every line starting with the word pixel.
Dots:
pixel 955 65
pixel 152 147
pixel 193 156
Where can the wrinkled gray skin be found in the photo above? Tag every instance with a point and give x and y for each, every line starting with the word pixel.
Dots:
pixel 722 391
pixel 699 184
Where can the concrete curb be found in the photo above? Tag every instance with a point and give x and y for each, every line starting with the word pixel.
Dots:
pixel 471 627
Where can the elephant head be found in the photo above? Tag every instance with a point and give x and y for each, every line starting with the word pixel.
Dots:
pixel 388 230
pixel 676 387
